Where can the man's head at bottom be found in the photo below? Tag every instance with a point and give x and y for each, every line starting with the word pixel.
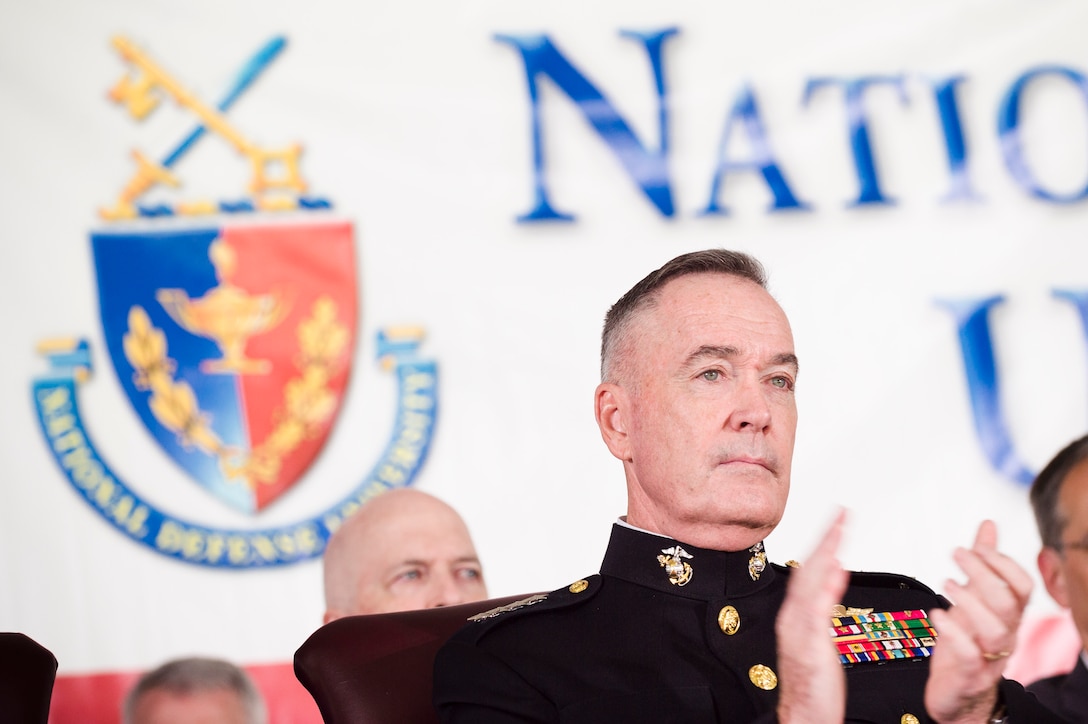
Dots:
pixel 195 691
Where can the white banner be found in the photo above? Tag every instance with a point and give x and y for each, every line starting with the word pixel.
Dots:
pixel 889 164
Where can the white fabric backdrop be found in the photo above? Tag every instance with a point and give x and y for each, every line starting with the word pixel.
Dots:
pixel 416 124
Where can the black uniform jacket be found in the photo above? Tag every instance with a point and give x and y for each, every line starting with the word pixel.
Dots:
pixel 629 645
pixel 1066 693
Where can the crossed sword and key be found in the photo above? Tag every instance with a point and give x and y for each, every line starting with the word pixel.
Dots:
pixel 139 92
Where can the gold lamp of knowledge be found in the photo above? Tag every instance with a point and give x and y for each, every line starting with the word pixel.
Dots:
pixel 227 315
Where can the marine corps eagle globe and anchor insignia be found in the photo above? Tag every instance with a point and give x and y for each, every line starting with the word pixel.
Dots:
pixel 678 569
pixel 231 334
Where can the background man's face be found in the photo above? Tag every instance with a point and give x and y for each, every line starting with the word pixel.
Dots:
pixel 1068 583
pixel 711 411
pixel 418 561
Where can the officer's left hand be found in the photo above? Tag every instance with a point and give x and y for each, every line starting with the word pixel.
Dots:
pixel 978 633
pixel 811 682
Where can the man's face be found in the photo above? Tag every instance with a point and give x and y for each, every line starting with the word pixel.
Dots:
pixel 421 560
pixel 214 706
pixel 707 411
pixel 1067 579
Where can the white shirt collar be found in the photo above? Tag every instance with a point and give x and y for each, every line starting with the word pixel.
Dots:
pixel 622 520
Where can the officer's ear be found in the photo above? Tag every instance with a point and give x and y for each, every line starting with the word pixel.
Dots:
pixel 1052 570
pixel 610 406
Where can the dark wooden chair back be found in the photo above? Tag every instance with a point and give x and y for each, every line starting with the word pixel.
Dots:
pixel 378 668
pixel 27 673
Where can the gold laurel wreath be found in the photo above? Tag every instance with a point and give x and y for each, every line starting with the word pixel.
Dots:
pixel 308 402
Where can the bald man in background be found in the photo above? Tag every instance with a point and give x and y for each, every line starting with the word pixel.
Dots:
pixel 402 550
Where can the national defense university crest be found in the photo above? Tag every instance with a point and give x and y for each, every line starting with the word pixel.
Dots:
pixel 231 327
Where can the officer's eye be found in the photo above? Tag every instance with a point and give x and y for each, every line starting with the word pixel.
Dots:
pixel 712 375
pixel 783 383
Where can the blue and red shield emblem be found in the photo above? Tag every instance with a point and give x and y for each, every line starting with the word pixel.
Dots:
pixel 234 345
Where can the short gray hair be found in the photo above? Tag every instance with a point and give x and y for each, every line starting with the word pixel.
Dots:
pixel 196 674
pixel 645 294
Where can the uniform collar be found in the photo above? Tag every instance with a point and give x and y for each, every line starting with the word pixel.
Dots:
pixel 652 560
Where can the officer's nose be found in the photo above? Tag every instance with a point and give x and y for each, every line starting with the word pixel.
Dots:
pixel 750 409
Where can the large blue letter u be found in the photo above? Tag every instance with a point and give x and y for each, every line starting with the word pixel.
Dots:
pixel 983 381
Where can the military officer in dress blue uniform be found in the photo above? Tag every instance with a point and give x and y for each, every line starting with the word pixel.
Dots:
pixel 687 621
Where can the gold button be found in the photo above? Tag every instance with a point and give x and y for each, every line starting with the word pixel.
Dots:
pixel 908 718
pixel 728 620
pixel 763 677
pixel 579 586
